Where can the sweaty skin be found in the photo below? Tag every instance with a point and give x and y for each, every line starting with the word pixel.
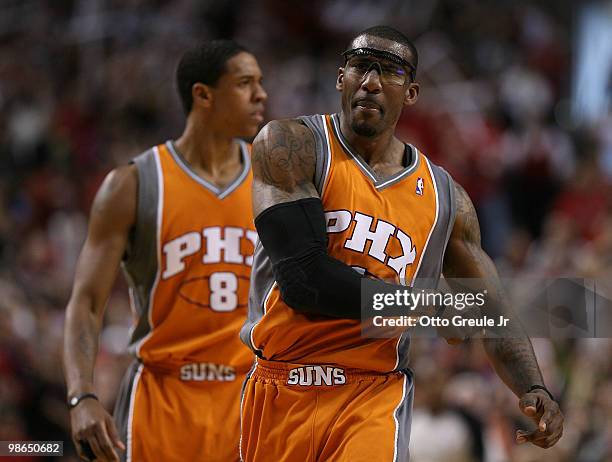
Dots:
pixel 283 171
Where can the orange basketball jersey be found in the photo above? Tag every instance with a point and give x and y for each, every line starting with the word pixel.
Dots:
pixel 188 265
pixel 394 228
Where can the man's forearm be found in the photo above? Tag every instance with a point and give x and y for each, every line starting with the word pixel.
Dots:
pixel 509 349
pixel 515 362
pixel 80 349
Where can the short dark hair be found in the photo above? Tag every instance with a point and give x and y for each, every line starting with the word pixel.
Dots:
pixel 390 33
pixel 203 64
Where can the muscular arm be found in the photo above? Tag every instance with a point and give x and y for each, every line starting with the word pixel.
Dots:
pixel 112 215
pixel 512 356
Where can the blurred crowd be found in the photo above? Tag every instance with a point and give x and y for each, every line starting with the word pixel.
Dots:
pixel 86 85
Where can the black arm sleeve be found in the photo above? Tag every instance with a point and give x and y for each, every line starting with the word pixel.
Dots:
pixel 294 236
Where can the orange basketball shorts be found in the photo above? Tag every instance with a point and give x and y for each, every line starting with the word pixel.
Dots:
pixel 308 413
pixel 161 417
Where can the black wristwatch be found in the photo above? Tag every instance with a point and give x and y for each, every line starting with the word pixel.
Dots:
pixel 540 387
pixel 75 400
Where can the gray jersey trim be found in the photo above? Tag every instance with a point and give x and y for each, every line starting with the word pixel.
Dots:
pixel 317 125
pixel 433 255
pixel 379 183
pixel 244 385
pixel 140 264
pixel 262 282
pixel 124 407
pixel 221 193
pixel 403 419
pixel 431 262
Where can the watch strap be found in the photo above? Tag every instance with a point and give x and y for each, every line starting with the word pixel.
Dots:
pixel 76 399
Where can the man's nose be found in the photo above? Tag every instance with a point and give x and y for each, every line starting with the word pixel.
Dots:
pixel 371 79
pixel 260 94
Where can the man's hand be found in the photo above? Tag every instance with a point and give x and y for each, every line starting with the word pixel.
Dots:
pixel 547 416
pixel 91 424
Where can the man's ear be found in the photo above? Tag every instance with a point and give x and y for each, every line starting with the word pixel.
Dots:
pixel 340 79
pixel 412 94
pixel 202 95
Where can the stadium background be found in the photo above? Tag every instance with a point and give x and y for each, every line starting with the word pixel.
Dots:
pixel 515 103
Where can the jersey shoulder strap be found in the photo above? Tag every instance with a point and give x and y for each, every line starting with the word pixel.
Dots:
pixel 432 261
pixel 316 124
pixel 140 259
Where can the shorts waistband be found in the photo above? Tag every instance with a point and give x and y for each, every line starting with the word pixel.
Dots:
pixel 196 371
pixel 157 368
pixel 313 374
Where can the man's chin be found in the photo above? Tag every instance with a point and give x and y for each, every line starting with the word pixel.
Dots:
pixel 248 130
pixel 364 129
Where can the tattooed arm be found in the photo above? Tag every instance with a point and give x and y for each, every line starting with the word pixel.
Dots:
pixel 283 164
pixel 512 357
pixel 290 221
pixel 112 215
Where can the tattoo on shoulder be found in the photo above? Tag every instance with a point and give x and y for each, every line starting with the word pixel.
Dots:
pixel 466 216
pixel 284 155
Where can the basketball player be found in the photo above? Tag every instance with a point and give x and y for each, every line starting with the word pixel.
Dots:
pixel 339 197
pixel 179 221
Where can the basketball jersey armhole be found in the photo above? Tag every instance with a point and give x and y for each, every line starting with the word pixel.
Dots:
pixel 432 265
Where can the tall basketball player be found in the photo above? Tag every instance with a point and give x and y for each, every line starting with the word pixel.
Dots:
pixel 179 221
pixel 338 197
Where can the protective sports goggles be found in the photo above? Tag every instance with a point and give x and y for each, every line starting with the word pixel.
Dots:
pixel 392 69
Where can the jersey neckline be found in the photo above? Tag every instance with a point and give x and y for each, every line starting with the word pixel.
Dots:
pixel 379 183
pixel 221 193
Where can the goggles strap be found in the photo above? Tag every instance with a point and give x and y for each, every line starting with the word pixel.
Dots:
pixel 380 54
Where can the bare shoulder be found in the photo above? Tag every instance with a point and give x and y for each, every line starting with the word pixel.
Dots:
pixel 113 214
pixel 284 160
pixel 116 199
pixel 466 226
pixel 293 126
pixel 284 131
pixel 284 147
pixel 464 256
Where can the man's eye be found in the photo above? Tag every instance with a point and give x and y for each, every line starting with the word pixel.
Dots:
pixel 394 70
pixel 362 65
